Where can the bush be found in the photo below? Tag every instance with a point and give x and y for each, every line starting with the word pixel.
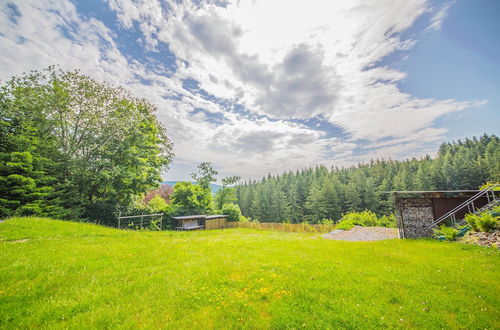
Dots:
pixel 471 220
pixel 449 233
pixel 487 222
pixel 365 219
pixel 245 219
pixel 157 204
pixel 326 222
pixel 488 185
pixel 387 221
pixel 345 225
pixel 484 222
pixel 232 211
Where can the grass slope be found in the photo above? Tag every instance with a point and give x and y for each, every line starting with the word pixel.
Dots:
pixel 57 274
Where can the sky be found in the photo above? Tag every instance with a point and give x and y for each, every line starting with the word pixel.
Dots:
pixel 258 87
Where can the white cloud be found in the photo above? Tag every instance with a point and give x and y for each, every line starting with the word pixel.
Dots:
pixel 439 16
pixel 318 58
pixel 310 59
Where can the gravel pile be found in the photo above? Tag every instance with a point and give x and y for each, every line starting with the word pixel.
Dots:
pixel 358 233
pixel 485 239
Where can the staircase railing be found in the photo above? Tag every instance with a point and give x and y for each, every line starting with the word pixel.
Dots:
pixel 488 193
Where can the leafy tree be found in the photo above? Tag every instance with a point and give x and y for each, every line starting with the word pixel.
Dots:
pixel 94 146
pixel 226 194
pixel 205 175
pixel 189 199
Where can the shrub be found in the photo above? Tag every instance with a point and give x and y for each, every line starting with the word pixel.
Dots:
pixel 232 211
pixel 245 219
pixel 449 233
pixel 365 219
pixel 488 185
pixel 484 222
pixel 157 204
pixel 387 221
pixel 345 225
pixel 471 220
pixel 326 222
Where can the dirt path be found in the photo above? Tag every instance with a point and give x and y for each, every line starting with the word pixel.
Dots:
pixel 363 234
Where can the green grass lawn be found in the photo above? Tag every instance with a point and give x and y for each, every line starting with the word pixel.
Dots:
pixel 56 274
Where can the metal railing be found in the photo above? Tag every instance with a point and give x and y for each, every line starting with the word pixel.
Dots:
pixel 488 193
pixel 145 220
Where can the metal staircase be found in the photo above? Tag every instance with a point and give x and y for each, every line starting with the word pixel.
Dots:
pixel 490 194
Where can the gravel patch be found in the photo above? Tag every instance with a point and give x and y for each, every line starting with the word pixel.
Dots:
pixel 358 233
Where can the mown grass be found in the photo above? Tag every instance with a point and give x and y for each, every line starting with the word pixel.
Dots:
pixel 57 274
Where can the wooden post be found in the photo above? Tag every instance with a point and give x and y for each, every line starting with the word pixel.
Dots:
pixel 161 222
pixel 142 217
pixel 119 219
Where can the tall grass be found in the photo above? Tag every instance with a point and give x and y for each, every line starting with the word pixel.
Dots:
pixel 286 227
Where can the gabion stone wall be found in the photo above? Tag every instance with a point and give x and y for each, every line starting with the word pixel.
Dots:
pixel 416 210
pixel 414 215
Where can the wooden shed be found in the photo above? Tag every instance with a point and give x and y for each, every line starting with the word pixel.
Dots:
pixel 216 221
pixel 193 222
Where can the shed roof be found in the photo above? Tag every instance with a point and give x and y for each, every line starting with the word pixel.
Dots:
pixel 200 216
pixel 435 193
pixel 216 216
pixel 188 217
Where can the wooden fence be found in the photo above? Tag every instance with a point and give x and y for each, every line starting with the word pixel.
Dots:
pixel 288 227
pixel 216 223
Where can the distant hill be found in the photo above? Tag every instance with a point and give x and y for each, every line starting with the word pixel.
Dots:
pixel 214 187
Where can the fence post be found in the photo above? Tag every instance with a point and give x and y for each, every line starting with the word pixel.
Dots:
pixel 142 217
pixel 161 222
pixel 119 219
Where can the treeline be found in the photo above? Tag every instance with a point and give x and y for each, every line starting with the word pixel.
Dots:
pixel 315 194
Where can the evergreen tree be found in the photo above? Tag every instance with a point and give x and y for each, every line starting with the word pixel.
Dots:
pixel 316 193
pixel 316 205
pixel 332 200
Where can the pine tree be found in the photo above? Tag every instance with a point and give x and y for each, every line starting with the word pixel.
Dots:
pixel 459 165
pixel 332 200
pixel 316 205
pixel 353 197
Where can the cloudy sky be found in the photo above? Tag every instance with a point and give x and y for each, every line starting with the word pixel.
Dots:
pixel 259 87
